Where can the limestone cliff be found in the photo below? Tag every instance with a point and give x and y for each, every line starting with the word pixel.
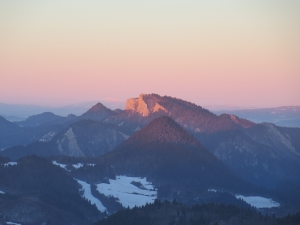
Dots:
pixel 145 104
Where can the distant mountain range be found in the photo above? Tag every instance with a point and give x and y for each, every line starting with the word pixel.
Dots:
pixel 288 116
pixel 265 153
pixel 183 149
pixel 20 112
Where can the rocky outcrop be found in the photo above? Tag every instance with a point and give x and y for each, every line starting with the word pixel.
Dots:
pixel 145 104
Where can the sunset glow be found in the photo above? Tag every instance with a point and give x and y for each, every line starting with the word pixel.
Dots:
pixel 209 52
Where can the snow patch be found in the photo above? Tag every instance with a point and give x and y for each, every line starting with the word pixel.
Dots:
pixel 212 190
pixel 89 196
pixel 124 136
pixel 129 195
pixel 2 192
pixel 11 223
pixel 60 165
pixel 11 164
pixel 259 202
pixel 78 165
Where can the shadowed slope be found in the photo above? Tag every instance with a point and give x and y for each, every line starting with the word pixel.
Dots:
pixel 167 154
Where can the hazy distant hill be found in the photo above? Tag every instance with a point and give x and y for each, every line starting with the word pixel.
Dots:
pixel 12 134
pixel 42 127
pixel 288 116
pixel 45 118
pixel 87 138
pixel 15 112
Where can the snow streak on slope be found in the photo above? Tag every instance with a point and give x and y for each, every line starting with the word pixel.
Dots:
pixel 2 192
pixel 131 191
pixel 11 223
pixel 89 196
pixel 48 137
pixel 259 202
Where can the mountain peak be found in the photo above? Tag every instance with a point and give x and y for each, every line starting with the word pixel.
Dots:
pixel 98 107
pixel 237 120
pixel 98 112
pixel 164 151
pixel 161 130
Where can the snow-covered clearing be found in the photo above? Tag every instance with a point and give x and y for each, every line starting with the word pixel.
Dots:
pixel 255 201
pixel 259 202
pixel 129 195
pixel 89 196
pixel 11 163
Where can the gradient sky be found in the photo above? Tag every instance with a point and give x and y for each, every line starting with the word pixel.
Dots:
pixel 212 52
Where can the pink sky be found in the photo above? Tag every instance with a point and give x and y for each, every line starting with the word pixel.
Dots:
pixel 211 53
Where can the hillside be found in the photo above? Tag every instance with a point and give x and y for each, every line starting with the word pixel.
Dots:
pixel 174 161
pixel 161 213
pixel 83 138
pixel 36 191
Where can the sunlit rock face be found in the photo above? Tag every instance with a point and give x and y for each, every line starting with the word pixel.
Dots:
pixel 145 104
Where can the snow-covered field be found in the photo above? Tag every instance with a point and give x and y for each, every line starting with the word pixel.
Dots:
pixel 259 202
pixel 127 193
pixel 255 201
pixel 89 196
